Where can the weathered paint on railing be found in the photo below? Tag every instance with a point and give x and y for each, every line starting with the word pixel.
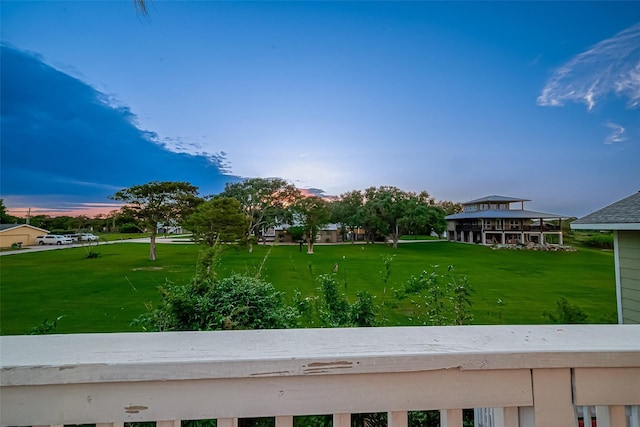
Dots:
pixel 529 373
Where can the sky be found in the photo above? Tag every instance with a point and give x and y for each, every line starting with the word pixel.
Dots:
pixel 539 100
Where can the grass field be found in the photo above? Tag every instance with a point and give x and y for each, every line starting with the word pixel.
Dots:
pixel 105 294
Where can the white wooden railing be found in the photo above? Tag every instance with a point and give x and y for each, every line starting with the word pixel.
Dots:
pixel 541 376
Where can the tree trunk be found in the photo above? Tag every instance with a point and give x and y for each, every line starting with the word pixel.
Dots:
pixel 152 246
pixel 396 237
pixel 310 239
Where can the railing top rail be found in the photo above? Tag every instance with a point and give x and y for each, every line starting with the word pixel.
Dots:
pixel 88 358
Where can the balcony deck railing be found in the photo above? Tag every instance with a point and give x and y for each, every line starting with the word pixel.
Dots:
pixel 508 228
pixel 539 376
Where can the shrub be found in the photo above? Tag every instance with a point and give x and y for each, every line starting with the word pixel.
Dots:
pixel 566 313
pixel 129 228
pixel 602 241
pixel 206 304
pixel 439 299
pixel 46 327
pixel 296 233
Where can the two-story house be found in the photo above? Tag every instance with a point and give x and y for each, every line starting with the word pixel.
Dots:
pixel 502 220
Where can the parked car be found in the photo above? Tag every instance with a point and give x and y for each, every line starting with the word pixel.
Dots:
pixel 53 239
pixel 87 236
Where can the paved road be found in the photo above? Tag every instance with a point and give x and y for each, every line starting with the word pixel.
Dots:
pixel 37 248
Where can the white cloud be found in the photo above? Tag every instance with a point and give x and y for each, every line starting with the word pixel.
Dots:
pixel 611 66
pixel 617 133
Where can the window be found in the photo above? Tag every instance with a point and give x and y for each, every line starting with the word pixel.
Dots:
pixel 514 224
pixel 484 206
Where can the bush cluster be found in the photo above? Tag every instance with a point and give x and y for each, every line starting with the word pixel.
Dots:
pixel 601 241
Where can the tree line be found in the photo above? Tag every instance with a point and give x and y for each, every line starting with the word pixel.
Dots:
pixel 244 210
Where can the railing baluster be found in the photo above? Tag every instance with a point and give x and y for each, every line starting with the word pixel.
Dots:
pixel 341 420
pixel 284 421
pixel 586 416
pixel 506 417
pixel 603 416
pixel 617 416
pixel 553 398
pixel 451 418
pixel 634 419
pixel 526 416
pixel 398 419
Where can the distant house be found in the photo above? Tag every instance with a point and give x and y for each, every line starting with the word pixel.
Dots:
pixel 623 218
pixel 169 228
pixel 330 233
pixel 500 219
pixel 24 234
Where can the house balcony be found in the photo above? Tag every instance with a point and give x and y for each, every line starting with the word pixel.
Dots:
pixel 542 376
pixel 508 228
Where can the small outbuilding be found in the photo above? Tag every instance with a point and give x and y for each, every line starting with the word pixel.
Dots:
pixel 623 219
pixel 19 235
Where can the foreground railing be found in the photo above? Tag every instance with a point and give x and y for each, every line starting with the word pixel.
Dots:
pixel 532 375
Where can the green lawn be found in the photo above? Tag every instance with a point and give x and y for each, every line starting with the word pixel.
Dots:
pixel 106 293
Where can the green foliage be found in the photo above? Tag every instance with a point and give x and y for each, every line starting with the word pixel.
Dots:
pixel 207 303
pixel 218 220
pixel 566 313
pixel 334 309
pixel 313 421
pixel 390 211
pixel 296 232
pixel 602 241
pixel 439 299
pixel 129 228
pixel 46 327
pixel 265 200
pixel 89 252
pixel 92 254
pixel 158 202
pixel 5 218
pixel 347 211
pixel 313 213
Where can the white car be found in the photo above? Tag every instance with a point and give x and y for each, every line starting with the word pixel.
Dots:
pixel 87 236
pixel 54 239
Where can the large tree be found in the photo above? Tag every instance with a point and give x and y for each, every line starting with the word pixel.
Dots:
pixel 390 211
pixel 384 210
pixel 347 211
pixel 5 218
pixel 312 213
pixel 265 200
pixel 220 219
pixel 158 202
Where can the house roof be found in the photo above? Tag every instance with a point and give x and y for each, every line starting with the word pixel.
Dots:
pixel 621 215
pixel 5 227
pixel 495 199
pixel 504 214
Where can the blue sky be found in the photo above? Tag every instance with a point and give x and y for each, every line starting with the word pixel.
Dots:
pixel 463 99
